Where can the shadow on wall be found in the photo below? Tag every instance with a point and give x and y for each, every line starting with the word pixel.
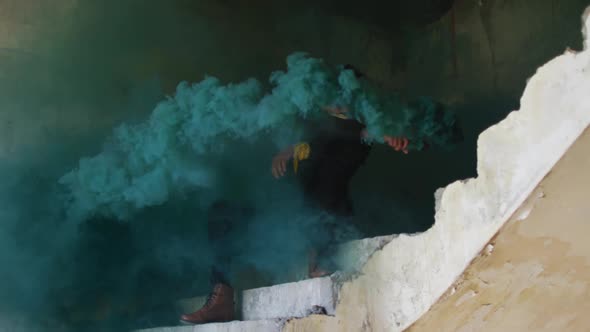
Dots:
pixel 496 46
pixel 394 193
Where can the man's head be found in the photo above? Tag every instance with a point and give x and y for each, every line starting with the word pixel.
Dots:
pixel 343 112
pixel 357 73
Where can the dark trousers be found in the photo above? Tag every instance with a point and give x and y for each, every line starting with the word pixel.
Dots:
pixel 221 227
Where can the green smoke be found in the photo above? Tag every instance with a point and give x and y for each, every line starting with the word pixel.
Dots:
pixel 187 137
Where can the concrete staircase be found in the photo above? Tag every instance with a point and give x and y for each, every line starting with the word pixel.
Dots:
pixel 265 309
pixel 268 308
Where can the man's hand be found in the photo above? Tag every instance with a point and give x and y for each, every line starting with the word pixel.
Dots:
pixel 397 143
pixel 280 161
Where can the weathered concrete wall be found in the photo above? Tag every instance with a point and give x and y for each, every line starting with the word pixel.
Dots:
pixel 480 48
pixel 402 281
pixel 24 24
pixel 495 47
pixel 536 274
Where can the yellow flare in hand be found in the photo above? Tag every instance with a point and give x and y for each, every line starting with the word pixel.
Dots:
pixel 300 152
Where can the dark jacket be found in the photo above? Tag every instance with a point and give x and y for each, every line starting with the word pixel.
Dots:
pixel 337 152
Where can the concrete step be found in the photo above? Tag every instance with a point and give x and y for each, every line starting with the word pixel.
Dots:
pixel 319 295
pixel 235 326
pixel 352 256
pixel 264 309
pixel 295 299
pixel 298 299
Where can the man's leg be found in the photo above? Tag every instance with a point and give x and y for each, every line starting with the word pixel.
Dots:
pixel 219 306
pixel 335 230
pixel 328 193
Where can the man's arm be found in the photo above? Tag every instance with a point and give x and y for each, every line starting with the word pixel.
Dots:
pixel 294 152
pixel 297 153
pixel 280 161
pixel 397 143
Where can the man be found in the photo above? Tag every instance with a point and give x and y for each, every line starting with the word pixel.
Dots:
pixel 325 166
pixel 337 151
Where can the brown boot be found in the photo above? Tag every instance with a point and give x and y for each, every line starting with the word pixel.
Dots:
pixel 218 308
